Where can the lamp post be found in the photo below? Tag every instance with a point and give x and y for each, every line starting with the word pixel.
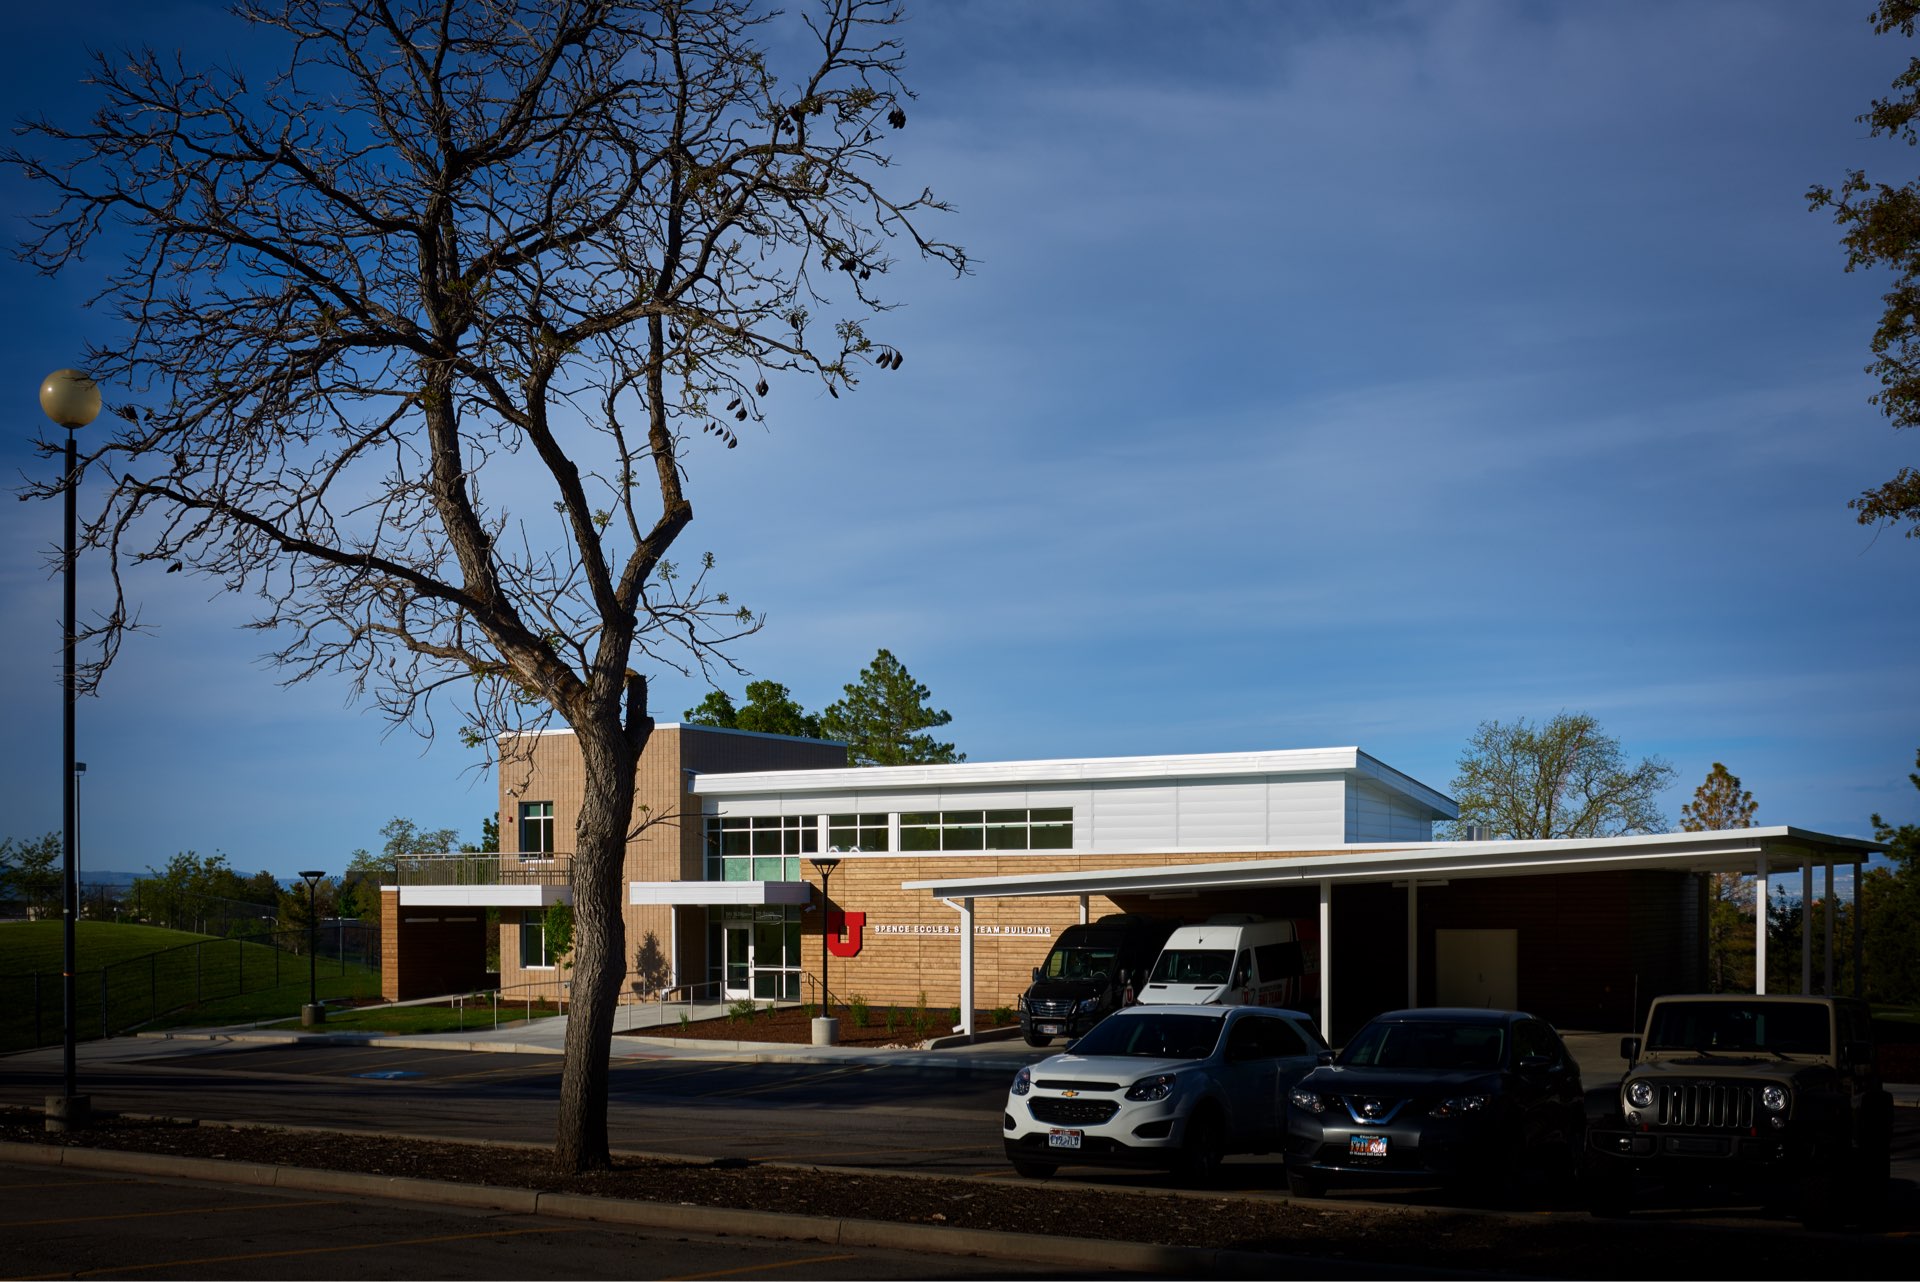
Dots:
pixel 79 768
pixel 71 399
pixel 311 1013
pixel 826 1029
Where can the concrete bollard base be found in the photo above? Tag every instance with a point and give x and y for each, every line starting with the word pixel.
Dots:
pixel 68 1112
pixel 826 1031
pixel 311 1015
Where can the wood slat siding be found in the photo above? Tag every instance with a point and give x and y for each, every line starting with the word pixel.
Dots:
pixel 897 968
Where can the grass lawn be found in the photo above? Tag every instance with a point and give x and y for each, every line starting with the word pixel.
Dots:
pixel 27 946
pixel 144 976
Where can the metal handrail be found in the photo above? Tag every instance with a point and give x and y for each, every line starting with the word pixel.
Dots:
pixel 466 868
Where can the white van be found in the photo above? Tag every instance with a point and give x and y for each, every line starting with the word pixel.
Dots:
pixel 1239 960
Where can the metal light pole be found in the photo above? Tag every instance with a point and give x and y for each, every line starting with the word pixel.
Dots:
pixel 71 399
pixel 79 768
pixel 826 1029
pixel 312 1013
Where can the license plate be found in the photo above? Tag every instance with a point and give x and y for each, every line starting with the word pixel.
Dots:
pixel 1366 1146
pixel 1050 1030
pixel 1057 1138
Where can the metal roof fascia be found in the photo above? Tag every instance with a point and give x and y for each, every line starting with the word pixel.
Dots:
pixel 1451 858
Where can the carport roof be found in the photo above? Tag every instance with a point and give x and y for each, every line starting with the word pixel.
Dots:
pixel 1736 850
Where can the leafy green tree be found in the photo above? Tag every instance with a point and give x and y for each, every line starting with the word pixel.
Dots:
pixel 1718 804
pixel 30 871
pixel 489 837
pixel 1562 779
pixel 770 709
pixel 1880 226
pixel 426 323
pixel 882 717
pixel 1902 841
pixel 559 935
pixel 1891 911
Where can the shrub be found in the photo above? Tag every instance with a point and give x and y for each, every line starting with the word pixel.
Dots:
pixel 808 1009
pixel 858 1007
pixel 744 1009
pixel 892 1017
pixel 685 1020
pixel 1002 1016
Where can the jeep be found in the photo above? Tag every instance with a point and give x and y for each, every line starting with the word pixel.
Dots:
pixel 1774 1095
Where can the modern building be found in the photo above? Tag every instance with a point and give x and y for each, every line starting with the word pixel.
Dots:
pixel 950 881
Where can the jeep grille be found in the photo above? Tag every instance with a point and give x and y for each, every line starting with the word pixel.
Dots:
pixel 1708 1106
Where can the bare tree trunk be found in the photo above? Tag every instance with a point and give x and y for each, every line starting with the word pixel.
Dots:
pixel 599 942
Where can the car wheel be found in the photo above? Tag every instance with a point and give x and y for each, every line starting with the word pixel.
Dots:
pixel 1034 1170
pixel 1205 1148
pixel 1301 1184
pixel 1034 1039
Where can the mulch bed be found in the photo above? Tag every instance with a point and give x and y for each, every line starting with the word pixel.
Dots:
pixel 793 1025
pixel 1530 1246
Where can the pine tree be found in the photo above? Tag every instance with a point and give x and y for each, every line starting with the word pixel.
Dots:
pixel 881 718
pixel 1718 804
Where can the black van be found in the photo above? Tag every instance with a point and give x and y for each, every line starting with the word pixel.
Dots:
pixel 1092 971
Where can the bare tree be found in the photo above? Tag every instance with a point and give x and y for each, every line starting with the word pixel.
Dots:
pixel 1561 779
pixel 417 333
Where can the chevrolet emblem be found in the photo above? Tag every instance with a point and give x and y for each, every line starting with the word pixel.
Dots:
pixel 1069 1094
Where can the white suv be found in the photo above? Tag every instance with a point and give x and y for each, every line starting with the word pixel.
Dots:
pixel 1177 1087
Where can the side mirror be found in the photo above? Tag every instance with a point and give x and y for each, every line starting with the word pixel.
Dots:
pixel 1630 1049
pixel 1857 1054
pixel 1036 974
pixel 1324 1057
pixel 1536 1063
pixel 1068 1048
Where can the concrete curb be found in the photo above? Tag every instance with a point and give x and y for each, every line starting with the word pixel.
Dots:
pixel 689 1048
pixel 1140 1257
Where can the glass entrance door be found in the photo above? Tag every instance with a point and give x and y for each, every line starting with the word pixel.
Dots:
pixel 738 941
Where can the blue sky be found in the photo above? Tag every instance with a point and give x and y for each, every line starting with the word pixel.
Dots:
pixel 1331 374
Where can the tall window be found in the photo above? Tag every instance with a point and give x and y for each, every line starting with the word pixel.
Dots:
pixel 1050 829
pixel 536 827
pixel 533 944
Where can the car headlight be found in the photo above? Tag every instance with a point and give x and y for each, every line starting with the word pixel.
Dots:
pixel 1309 1101
pixel 1459 1104
pixel 1023 1081
pixel 1773 1099
pixel 1152 1088
pixel 1640 1094
pixel 1089 1006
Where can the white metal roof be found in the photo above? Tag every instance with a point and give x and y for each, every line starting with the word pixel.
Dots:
pixel 1210 765
pixel 1736 850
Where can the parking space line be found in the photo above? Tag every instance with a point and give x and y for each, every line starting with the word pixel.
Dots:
pixel 737 1092
pixel 760 1268
pixel 878 1151
pixel 65 1184
pixel 287 1255
pixel 656 1078
pixel 266 1204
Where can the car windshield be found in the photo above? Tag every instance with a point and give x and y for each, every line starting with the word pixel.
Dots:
pixel 1078 963
pixel 1426 1044
pixel 1153 1035
pixel 1193 966
pixel 1786 1028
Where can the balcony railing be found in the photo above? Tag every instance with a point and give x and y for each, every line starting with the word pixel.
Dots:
pixel 509 869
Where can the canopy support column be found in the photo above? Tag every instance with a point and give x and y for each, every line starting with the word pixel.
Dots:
pixel 1826 973
pixel 1413 941
pixel 1760 926
pixel 1326 961
pixel 965 909
pixel 1806 927
pixel 1083 910
pixel 1859 935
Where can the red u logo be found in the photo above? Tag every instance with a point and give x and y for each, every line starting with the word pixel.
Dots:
pixel 849 924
